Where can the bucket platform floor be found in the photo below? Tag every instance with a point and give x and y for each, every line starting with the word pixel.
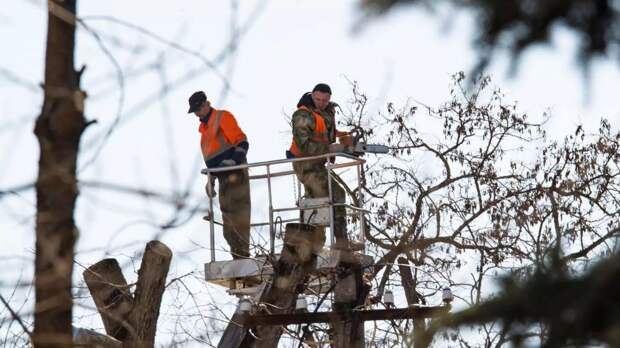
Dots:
pixel 245 276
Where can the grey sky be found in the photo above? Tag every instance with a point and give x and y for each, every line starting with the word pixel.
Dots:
pixel 291 46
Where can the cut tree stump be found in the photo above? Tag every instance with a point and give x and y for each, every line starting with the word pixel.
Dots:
pixel 129 318
pixel 111 294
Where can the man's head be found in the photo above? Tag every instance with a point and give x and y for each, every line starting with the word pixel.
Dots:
pixel 321 94
pixel 198 104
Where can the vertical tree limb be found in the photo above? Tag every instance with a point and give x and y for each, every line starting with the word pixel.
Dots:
pixel 301 244
pixel 409 284
pixel 149 291
pixel 58 130
pixel 349 292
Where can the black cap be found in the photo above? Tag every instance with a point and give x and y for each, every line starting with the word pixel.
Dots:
pixel 322 87
pixel 196 101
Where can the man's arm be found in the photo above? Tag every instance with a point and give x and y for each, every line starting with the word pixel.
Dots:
pixel 235 136
pixel 303 129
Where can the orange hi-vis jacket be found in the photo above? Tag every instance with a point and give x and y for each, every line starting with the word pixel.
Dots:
pixel 319 133
pixel 219 137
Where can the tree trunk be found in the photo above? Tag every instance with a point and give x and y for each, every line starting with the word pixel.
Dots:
pixel 409 284
pixel 111 294
pixel 148 294
pixel 349 292
pixel 58 130
pixel 302 243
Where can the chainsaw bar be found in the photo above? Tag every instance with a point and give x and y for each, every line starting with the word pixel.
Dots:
pixel 371 148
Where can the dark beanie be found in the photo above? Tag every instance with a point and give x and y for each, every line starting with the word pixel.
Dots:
pixel 306 100
pixel 322 87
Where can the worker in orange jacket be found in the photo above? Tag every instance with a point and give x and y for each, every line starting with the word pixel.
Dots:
pixel 223 144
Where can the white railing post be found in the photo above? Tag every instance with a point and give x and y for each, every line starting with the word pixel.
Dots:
pixel 331 206
pixel 211 218
pixel 272 231
pixel 360 200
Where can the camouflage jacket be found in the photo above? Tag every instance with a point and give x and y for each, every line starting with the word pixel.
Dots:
pixel 303 127
pixel 329 115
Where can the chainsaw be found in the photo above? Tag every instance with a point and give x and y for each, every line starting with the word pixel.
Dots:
pixel 358 147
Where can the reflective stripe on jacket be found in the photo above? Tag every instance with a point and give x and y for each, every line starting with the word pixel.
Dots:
pixel 319 133
pixel 220 134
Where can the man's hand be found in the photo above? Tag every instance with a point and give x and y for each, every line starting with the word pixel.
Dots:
pixel 337 148
pixel 210 189
pixel 341 133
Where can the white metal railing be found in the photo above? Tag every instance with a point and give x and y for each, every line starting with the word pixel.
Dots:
pixel 330 167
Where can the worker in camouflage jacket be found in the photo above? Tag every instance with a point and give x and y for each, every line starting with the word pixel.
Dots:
pixel 314 133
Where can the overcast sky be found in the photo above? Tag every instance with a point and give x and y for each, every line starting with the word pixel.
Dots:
pixel 289 46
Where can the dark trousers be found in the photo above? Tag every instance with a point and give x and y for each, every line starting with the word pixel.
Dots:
pixel 313 176
pixel 234 192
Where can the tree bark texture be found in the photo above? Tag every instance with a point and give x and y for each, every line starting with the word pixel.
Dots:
pixel 302 243
pixel 149 291
pixel 93 339
pixel 111 294
pixel 58 129
pixel 349 292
